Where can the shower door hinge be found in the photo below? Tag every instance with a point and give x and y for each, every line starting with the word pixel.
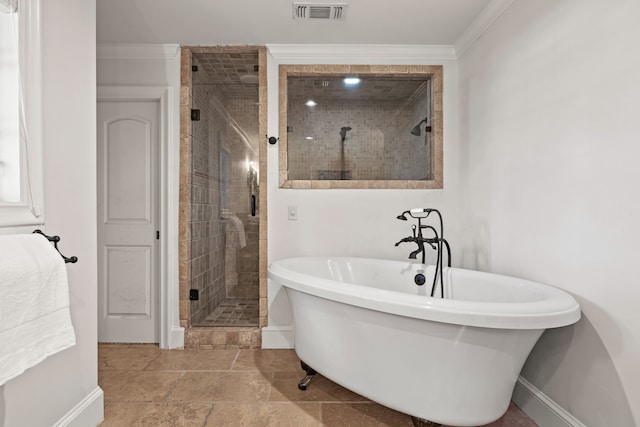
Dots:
pixel 157 234
pixel 195 115
pixel 194 294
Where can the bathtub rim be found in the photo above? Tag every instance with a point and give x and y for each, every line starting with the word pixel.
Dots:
pixel 559 309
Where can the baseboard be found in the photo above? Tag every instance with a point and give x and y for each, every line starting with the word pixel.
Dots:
pixel 277 337
pixel 88 412
pixel 176 337
pixel 540 408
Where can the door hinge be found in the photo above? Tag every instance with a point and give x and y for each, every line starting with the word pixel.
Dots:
pixel 195 115
pixel 157 234
pixel 194 295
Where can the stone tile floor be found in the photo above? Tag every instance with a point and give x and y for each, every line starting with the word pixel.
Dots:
pixel 234 312
pixel 146 386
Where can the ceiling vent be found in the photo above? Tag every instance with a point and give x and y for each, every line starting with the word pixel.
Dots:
pixel 320 11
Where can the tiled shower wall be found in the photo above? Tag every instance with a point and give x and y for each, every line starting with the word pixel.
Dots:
pixel 207 227
pixel 378 146
pixel 242 262
pixel 184 215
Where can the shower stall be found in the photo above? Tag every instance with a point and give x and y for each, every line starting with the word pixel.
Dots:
pixel 219 214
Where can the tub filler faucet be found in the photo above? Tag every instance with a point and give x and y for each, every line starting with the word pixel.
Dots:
pixel 435 242
pixel 420 240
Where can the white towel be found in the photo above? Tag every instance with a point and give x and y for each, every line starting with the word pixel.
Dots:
pixel 238 230
pixel 35 321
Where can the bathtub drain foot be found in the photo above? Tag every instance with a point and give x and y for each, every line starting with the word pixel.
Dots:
pixel 302 385
pixel 420 422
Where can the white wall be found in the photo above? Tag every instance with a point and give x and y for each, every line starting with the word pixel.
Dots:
pixel 46 393
pixel 549 103
pixel 349 222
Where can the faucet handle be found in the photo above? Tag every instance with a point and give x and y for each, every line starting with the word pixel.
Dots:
pixel 431 242
pixel 406 239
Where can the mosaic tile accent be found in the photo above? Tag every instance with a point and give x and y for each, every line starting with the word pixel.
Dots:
pixel 379 145
pixel 234 312
pixel 370 88
pixel 223 70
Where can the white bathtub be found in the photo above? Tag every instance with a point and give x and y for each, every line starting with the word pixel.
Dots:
pixel 364 324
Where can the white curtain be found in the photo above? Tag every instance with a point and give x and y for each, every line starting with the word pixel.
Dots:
pixel 8 6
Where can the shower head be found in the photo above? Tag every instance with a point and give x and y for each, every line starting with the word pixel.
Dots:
pixel 343 132
pixel 416 129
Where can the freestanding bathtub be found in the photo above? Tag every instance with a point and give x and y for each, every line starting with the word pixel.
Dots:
pixel 364 324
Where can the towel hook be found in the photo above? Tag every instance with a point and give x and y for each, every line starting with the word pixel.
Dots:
pixel 55 240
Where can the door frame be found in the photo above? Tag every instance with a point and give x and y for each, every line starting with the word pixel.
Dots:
pixel 171 333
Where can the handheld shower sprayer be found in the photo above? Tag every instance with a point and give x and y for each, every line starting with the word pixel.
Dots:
pixel 415 213
pixel 403 216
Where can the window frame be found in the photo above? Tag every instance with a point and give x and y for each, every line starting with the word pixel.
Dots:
pixel 29 210
pixel 435 72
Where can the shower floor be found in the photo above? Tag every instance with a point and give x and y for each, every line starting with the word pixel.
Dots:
pixel 234 312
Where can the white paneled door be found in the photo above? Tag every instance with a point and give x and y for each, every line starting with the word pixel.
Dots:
pixel 128 220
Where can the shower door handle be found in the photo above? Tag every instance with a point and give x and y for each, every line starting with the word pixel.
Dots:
pixel 253 205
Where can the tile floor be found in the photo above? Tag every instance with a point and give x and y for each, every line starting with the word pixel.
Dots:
pixel 146 386
pixel 234 312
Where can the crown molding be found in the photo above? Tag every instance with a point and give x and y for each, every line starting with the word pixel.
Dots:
pixel 136 51
pixel 480 25
pixel 360 53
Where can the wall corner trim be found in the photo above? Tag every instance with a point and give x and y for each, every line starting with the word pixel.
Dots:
pixel 88 412
pixel 480 25
pixel 136 51
pixel 360 53
pixel 540 408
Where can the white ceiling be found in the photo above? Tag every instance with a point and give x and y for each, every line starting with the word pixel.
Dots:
pixel 214 22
